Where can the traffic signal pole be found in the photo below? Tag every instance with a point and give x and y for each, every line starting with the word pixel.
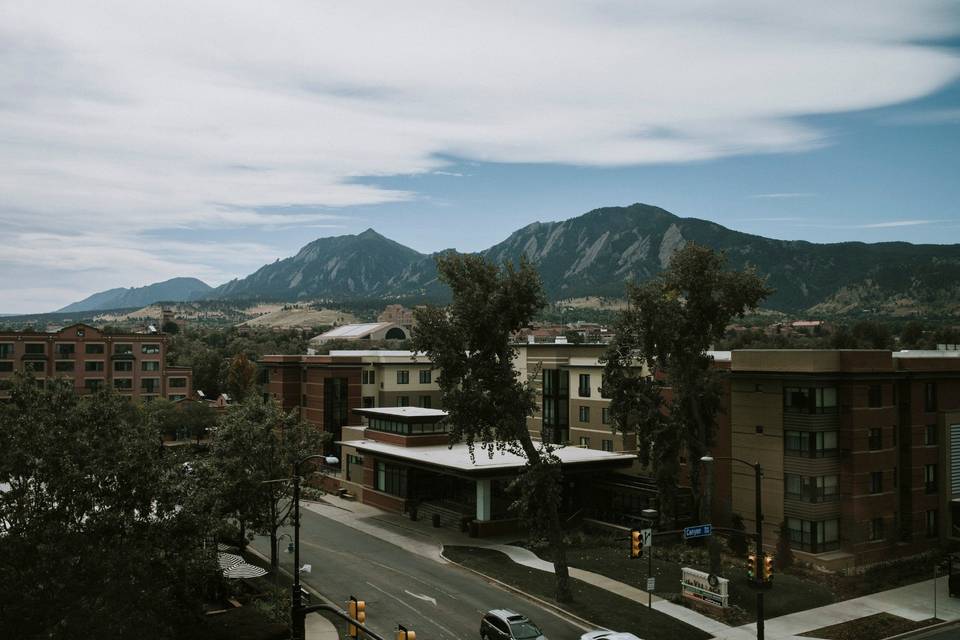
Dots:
pixel 758 569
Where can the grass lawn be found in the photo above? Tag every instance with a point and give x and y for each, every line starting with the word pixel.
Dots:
pixel 789 593
pixel 591 603
pixel 875 627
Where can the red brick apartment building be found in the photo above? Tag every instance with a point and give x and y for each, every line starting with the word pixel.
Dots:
pixel 133 364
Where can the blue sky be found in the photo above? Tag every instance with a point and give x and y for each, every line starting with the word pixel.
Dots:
pixel 208 138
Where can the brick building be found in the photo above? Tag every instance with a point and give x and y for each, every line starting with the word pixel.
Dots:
pixel 133 364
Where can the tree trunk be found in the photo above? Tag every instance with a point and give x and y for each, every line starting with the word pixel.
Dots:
pixel 554 530
pixel 273 534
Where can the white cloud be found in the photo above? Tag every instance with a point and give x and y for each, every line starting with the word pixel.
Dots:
pixel 149 116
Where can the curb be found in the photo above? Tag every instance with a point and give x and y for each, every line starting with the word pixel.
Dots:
pixel 919 633
pixel 563 613
pixel 313 592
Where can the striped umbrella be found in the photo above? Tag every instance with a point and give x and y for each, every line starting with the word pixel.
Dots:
pixel 244 570
pixel 227 560
pixel 223 547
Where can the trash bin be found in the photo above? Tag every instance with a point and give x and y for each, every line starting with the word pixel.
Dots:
pixel 436 519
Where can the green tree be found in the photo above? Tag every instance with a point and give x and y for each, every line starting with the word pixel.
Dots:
pixel 100 534
pixel 662 340
pixel 738 539
pixel 784 553
pixel 162 416
pixel 488 404
pixel 241 377
pixel 197 418
pixel 911 336
pixel 256 442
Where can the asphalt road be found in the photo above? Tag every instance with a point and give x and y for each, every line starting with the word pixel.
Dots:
pixel 438 601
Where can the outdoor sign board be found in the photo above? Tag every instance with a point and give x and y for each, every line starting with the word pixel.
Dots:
pixel 695 585
pixel 698 531
pixel 651 584
pixel 646 535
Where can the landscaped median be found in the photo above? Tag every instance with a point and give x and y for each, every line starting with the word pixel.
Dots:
pixel 596 605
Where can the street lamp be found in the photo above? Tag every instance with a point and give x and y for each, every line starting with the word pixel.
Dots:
pixel 297 615
pixel 276 571
pixel 758 567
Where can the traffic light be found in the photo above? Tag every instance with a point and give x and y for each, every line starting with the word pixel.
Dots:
pixel 357 610
pixel 404 634
pixel 751 565
pixel 636 544
pixel 767 567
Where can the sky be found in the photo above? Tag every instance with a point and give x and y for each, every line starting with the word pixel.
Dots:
pixel 143 141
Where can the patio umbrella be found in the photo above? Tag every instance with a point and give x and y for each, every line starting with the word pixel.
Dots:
pixel 227 560
pixel 244 570
pixel 223 547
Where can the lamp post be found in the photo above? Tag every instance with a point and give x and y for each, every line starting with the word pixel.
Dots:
pixel 758 564
pixel 276 571
pixel 297 615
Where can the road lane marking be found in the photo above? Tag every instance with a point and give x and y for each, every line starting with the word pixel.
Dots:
pixel 414 609
pixel 420 596
pixel 407 575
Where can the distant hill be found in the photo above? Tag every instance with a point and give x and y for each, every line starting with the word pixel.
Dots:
pixel 173 290
pixel 596 253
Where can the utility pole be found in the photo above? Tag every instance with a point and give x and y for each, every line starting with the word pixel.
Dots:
pixel 758 570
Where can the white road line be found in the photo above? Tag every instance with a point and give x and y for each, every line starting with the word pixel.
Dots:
pixel 420 596
pixel 407 575
pixel 412 608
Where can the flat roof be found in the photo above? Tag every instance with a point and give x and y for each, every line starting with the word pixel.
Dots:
pixel 401 412
pixel 354 330
pixel 457 457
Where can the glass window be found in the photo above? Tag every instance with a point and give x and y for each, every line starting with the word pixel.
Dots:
pixel 64 350
pixel 64 366
pixel 150 348
pixel 36 366
pixel 6 350
pixel 825 443
pixel 930 434
pixel 426 376
pixel 930 397
pixel 810 399
pixel 793 442
pixel 426 402
pixel 35 348
pixel 875 440
pixel 792 485
pixel 932 523
pixel 93 348
pixel 123 384
pixel 930 478
pixel 149 385
pixel 605 415
pixel 123 366
pixel 150 365
pixel 93 365
pixel 177 383
pixel 607 445
pixel 93 384
pixel 368 376
pixel 584 414
pixel 585 442
pixel 876 529
pixel 584 385
pixel 122 349
pixel 876 481
pixel 391 479
pixel 403 401
pixel 6 366
pixel 369 402
pixel 403 376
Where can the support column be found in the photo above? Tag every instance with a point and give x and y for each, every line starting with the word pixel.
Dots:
pixel 483 500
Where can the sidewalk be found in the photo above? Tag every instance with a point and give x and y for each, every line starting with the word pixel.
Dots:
pixel 914 602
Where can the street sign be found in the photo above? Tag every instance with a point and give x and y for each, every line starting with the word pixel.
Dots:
pixel 651 584
pixel 699 531
pixel 646 535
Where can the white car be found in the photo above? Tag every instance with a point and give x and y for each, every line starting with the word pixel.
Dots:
pixel 608 635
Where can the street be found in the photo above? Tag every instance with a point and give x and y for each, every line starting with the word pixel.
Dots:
pixel 435 600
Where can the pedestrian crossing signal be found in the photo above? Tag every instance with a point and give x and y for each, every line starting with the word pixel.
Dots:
pixel 636 544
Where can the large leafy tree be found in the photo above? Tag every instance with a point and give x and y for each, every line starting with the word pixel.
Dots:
pixel 469 341
pixel 100 534
pixel 253 450
pixel 661 344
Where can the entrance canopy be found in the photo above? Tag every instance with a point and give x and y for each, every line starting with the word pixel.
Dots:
pixel 455 460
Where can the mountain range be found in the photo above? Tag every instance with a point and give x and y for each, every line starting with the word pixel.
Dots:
pixel 173 290
pixel 596 253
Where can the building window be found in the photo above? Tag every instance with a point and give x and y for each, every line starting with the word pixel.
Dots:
pixel 81 333
pixel 930 435
pixel 876 439
pixel 93 348
pixel 93 365
pixel 426 402
pixel 403 376
pixel 585 442
pixel 6 367
pixel 177 383
pixel 6 350
pixel 64 366
pixel 123 384
pixel 876 481
pixel 793 485
pixel 814 536
pixel 93 384
pixel 876 529
pixel 583 389
pixel 810 399
pixel 391 479
pixel 875 396
pixel 584 414
pixel 605 415
pixel 35 366
pixel 122 349
pixel 123 366
pixel 403 401
pixel 606 445
pixel 932 524
pixel 150 365
pixel 556 406
pixel 426 376
pixel 930 478
pixel 149 385
pixel 35 349
pixel 150 348
pixel 930 397
pixel 810 444
pixel 369 402
pixel 368 377
pixel 64 350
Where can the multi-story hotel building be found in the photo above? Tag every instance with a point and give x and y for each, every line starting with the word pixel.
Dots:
pixel 133 364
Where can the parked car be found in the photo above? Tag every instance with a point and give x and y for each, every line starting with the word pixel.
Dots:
pixel 608 635
pixel 503 624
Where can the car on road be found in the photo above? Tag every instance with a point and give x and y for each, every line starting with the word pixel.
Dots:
pixel 503 624
pixel 608 635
